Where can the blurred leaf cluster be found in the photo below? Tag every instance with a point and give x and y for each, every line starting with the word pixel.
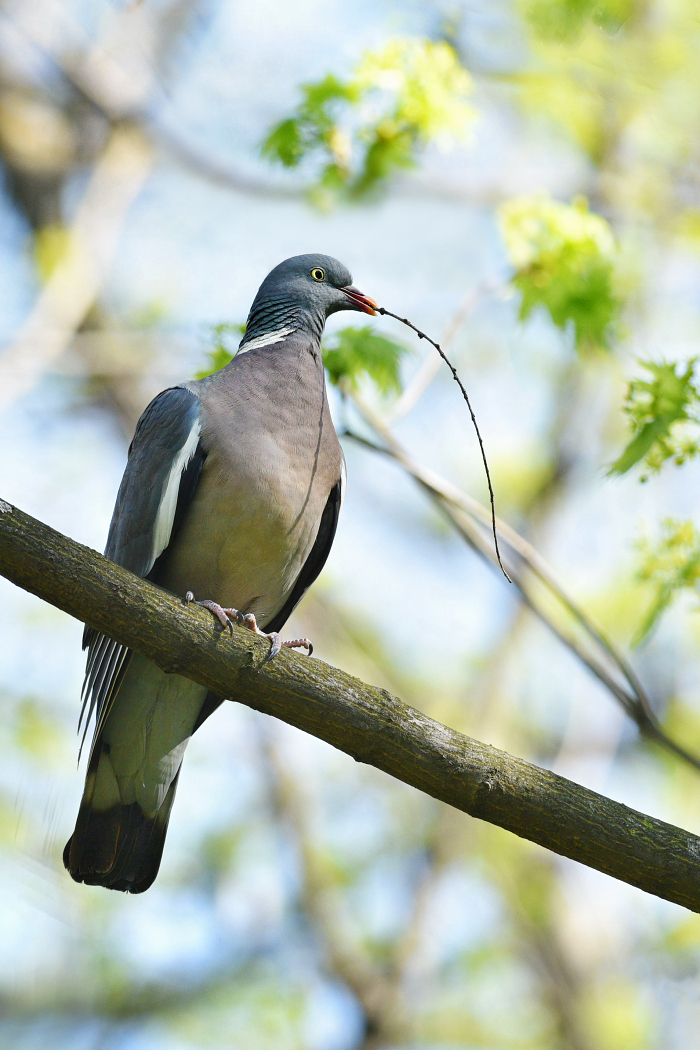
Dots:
pixel 622 80
pixel 661 410
pixel 563 256
pixel 564 20
pixel 669 567
pixel 402 97
pixel 352 356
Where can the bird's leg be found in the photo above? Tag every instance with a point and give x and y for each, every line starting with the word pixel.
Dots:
pixel 226 616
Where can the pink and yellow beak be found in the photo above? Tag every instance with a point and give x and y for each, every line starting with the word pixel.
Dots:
pixel 362 302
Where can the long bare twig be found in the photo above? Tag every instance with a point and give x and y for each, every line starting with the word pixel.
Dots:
pixel 430 365
pixel 465 395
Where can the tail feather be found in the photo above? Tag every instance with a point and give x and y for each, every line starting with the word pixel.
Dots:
pixel 132 778
pixel 119 848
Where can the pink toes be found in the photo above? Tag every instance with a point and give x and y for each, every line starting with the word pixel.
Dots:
pixel 227 617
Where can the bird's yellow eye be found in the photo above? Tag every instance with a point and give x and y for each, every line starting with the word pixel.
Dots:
pixel 317 273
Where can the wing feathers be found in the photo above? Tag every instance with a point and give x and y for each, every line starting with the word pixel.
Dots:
pixel 168 503
pixel 165 445
pixel 165 459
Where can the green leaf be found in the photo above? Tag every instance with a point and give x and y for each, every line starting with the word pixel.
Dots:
pixel 563 256
pixel 52 245
pixel 360 353
pixel 424 85
pixel 221 353
pixel 313 126
pixel 656 407
pixel 35 731
pixel 637 449
pixel 669 567
pixel 285 143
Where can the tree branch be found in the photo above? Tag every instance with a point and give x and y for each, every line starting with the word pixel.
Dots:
pixel 367 723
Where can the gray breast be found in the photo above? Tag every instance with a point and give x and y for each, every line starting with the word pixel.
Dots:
pixel 272 459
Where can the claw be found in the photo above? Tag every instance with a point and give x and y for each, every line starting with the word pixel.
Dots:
pixel 215 608
pixel 276 644
pixel 225 617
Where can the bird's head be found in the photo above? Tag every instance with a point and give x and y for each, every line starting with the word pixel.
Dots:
pixel 302 292
pixel 316 281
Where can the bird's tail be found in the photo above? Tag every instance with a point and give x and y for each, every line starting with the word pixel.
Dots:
pixel 132 777
pixel 119 847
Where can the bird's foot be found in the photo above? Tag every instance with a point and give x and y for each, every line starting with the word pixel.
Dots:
pixel 222 615
pixel 248 620
pixel 226 618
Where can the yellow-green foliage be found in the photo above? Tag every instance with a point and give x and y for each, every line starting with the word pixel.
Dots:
pixel 427 86
pixel 313 125
pixel 402 97
pixel 611 73
pixel 563 256
pixel 563 20
pixel 619 1016
pixel 35 730
pixel 669 566
pixel 662 411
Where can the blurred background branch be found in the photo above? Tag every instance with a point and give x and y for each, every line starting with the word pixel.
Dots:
pixel 76 276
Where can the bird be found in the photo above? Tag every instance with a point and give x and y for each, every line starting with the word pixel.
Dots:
pixel 231 493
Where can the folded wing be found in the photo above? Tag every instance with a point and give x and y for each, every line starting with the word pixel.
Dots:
pixel 164 464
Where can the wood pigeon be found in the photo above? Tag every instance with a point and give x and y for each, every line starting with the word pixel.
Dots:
pixel 231 492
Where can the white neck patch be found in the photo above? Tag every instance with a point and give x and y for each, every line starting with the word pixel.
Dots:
pixel 265 340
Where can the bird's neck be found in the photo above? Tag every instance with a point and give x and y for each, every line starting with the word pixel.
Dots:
pixel 275 319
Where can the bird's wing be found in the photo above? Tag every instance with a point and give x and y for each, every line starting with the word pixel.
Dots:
pixel 317 556
pixel 165 460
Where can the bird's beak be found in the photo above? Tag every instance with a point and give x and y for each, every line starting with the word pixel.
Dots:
pixel 361 301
